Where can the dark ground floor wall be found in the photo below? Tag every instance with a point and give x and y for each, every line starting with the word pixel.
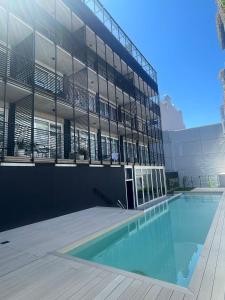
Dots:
pixel 32 194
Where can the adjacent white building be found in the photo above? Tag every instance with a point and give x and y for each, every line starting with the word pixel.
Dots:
pixel 196 151
pixel 172 118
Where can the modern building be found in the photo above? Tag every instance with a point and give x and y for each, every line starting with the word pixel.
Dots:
pixel 75 91
pixel 172 118
pixel 220 22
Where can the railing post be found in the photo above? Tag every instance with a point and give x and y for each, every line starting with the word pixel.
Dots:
pixel 56 88
pixel 33 93
pixel 5 82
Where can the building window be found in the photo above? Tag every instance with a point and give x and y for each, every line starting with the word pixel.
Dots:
pixel 113 114
pixel 104 109
pixel 92 103
pixel 130 153
pixel 115 150
pixel 45 139
pixel 106 154
pixel 106 148
pixel 81 144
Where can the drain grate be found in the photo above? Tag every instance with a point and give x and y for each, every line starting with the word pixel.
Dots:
pixel 5 242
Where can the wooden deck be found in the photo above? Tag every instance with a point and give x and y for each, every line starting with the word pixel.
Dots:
pixel 32 267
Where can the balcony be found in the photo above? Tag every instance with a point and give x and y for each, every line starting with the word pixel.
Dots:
pixel 20 143
pixel 101 13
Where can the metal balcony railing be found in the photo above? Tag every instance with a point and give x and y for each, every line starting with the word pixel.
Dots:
pixel 209 181
pixel 21 141
pixel 102 14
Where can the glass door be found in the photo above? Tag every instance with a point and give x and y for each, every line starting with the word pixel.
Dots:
pixel 159 183
pixel 45 139
pixel 94 147
pixel 146 188
pixel 41 138
pixel 150 189
pixel 163 182
pixel 52 145
pixel 155 183
pixel 140 189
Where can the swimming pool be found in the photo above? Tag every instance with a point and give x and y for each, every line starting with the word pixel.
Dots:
pixel 165 243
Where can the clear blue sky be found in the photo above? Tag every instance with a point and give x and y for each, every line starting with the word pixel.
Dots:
pixel 179 39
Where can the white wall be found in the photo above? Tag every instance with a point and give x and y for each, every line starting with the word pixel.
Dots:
pixel 196 151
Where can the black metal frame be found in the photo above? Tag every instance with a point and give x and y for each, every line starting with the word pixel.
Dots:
pixel 140 128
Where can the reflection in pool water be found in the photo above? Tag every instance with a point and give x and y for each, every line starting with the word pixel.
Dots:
pixel 164 244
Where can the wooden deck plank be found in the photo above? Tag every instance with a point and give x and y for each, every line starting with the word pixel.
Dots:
pixel 142 291
pixel 197 278
pixel 129 292
pixel 218 291
pixel 120 289
pixel 177 296
pixel 109 288
pixel 98 288
pixel 164 294
pixel 209 273
pixel 153 293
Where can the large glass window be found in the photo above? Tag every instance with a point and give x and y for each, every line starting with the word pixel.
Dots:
pixel 115 150
pixel 104 109
pixel 113 114
pixel 45 139
pixel 83 152
pixel 140 192
pixel 94 147
pixel 159 183
pixel 92 103
pixel 105 148
pixel 163 182
pixel 131 152
pixel 150 183
pixel 146 187
pixel 106 155
pixel 55 131
pixel 154 182
pixel 81 145
pixel 151 196
pixel 41 138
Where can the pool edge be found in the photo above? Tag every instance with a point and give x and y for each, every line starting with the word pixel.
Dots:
pixel 97 234
pixel 133 275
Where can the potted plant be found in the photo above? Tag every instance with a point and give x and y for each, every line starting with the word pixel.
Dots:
pixel 82 154
pixel 20 146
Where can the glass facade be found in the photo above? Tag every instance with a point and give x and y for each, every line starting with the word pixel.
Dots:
pixel 67 96
pixel 150 184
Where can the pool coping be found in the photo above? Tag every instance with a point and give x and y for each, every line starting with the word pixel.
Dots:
pixel 93 236
pixel 202 262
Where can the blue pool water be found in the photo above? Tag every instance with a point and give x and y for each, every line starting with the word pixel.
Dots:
pixel 164 244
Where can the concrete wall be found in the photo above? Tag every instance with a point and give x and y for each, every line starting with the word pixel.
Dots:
pixel 196 151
